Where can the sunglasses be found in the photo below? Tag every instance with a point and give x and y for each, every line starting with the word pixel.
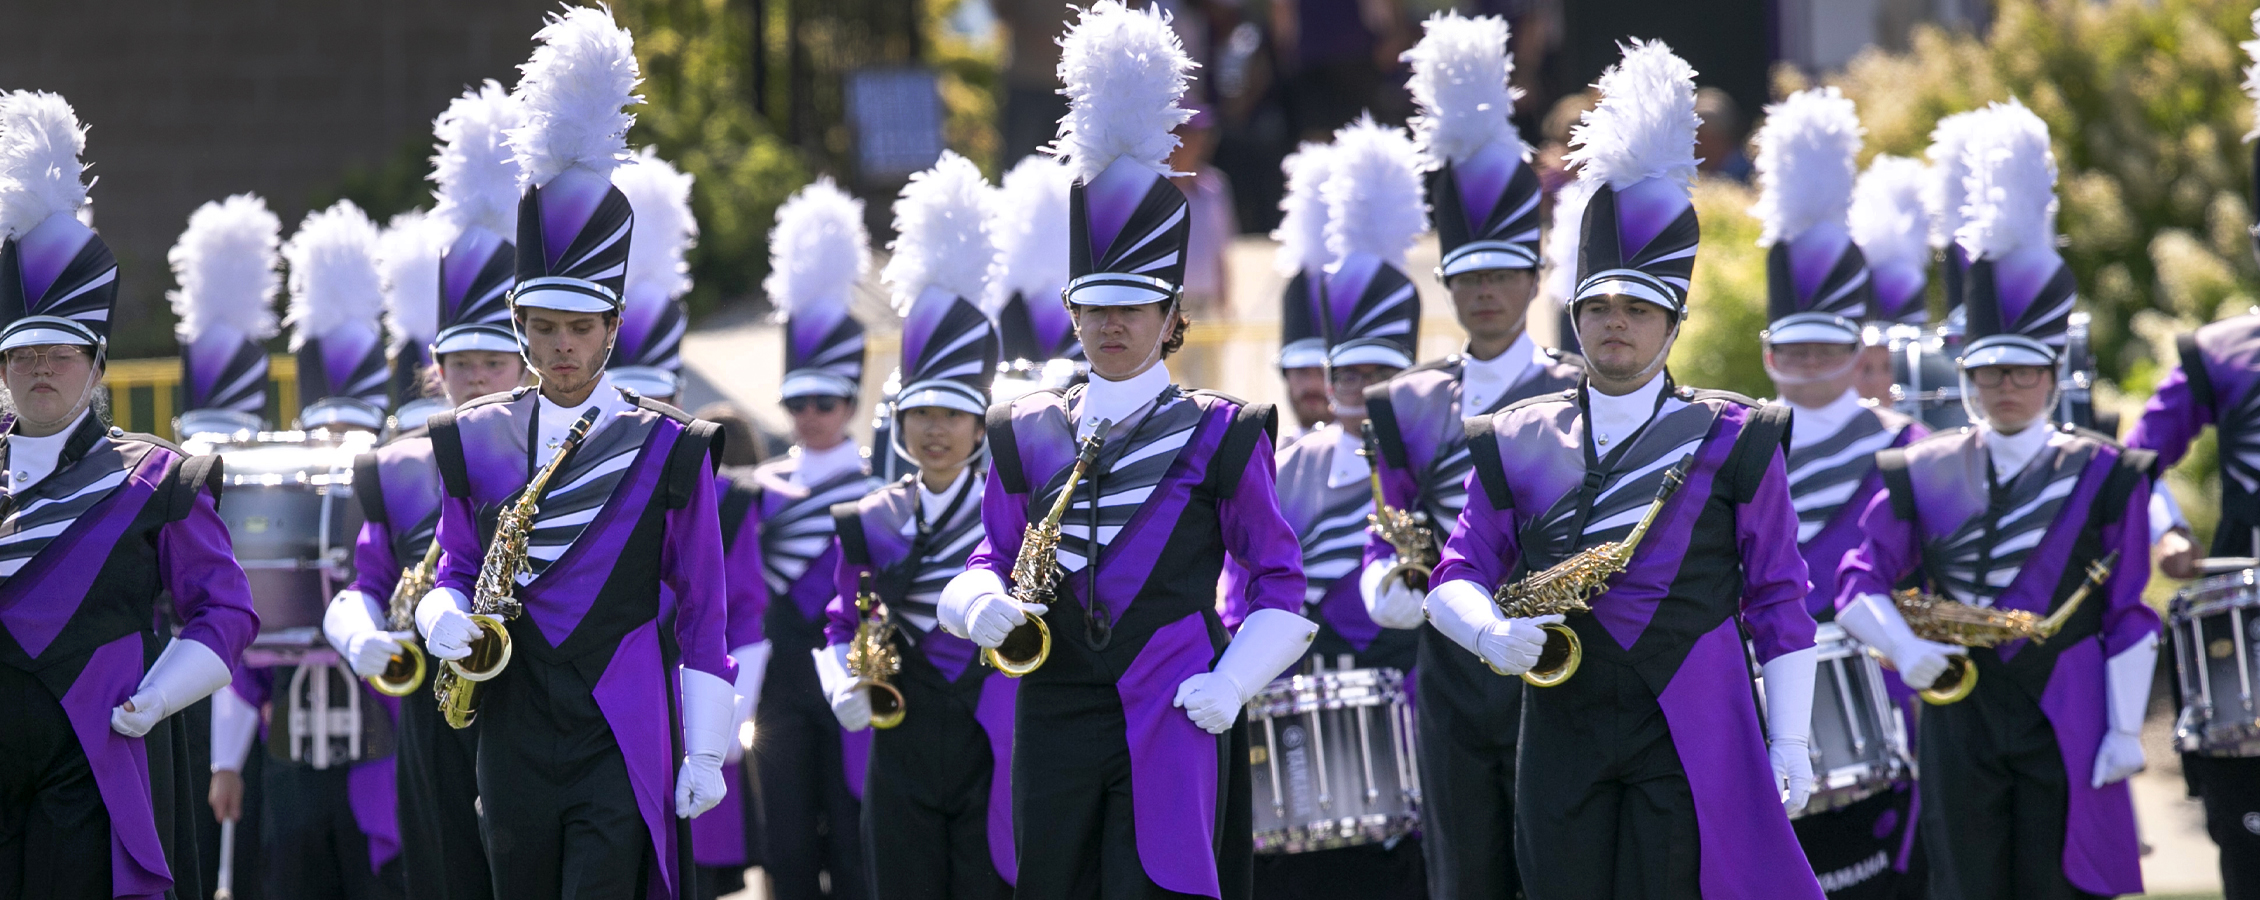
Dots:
pixel 798 405
pixel 2020 376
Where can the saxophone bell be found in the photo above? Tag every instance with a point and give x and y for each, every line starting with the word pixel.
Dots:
pixel 886 704
pixel 404 672
pixel 1024 649
pixel 1558 660
pixel 1953 685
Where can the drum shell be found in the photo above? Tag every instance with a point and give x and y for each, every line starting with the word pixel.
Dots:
pixel 1858 737
pixel 1926 378
pixel 2215 624
pixel 291 516
pixel 1332 761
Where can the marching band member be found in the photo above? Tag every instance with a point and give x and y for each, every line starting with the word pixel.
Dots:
pixel 810 770
pixel 1819 286
pixel 1130 769
pixel 1371 320
pixel 1647 772
pixel 1028 222
pixel 1484 199
pixel 336 319
pixel 588 768
pixel 2022 783
pixel 100 523
pixel 1302 258
pixel 457 275
pixel 937 807
pixel 1890 226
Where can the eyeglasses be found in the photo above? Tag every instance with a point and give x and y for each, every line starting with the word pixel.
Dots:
pixel 2017 376
pixel 798 405
pixel 33 359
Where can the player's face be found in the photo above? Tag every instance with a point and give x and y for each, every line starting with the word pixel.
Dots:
pixel 2012 397
pixel 1347 385
pixel 1121 341
pixel 819 423
pixel 470 374
pixel 568 349
pixel 1622 336
pixel 938 437
pixel 1492 303
pixel 50 383
pixel 1306 392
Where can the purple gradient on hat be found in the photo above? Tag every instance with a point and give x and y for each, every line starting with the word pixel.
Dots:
pixel 46 251
pixel 1345 286
pixel 639 324
pixel 1898 288
pixel 343 352
pixel 1109 199
pixel 1048 318
pixel 810 329
pixel 1645 209
pixel 206 359
pixel 918 328
pixel 1812 256
pixel 1482 178
pixel 567 202
pixel 461 266
pixel 2019 277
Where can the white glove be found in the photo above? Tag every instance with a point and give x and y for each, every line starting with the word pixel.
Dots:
pixel 753 666
pixel 186 672
pixel 1392 605
pixel 1789 724
pixel 448 630
pixel 2127 676
pixel 975 606
pixel 1268 642
pixel 353 625
pixel 1876 622
pixel 707 704
pixel 369 652
pixel 234 723
pixel 1512 645
pixel 849 705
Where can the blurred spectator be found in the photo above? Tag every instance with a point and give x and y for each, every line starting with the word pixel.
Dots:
pixel 1209 195
pixel 1553 136
pixel 1720 141
pixel 1340 59
pixel 1253 131
pixel 743 444
pixel 1032 103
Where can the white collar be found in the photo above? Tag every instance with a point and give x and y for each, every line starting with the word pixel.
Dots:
pixel 556 420
pixel 815 467
pixel 931 505
pixel 1610 421
pixel 32 459
pixel 1483 381
pixel 2012 452
pixel 1812 425
pixel 1117 401
pixel 1348 466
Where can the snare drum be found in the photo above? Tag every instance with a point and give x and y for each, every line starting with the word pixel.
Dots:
pixel 1858 742
pixel 1926 380
pixel 291 516
pixel 1332 760
pixel 2216 626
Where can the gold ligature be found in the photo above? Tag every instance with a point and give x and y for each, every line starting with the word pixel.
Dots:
pixel 492 604
pixel 1407 532
pixel 1568 587
pixel 1036 572
pixel 1939 620
pixel 873 659
pixel 404 672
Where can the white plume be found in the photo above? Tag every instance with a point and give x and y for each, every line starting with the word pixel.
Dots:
pixel 1460 74
pixel 1373 193
pixel 2010 194
pixel 941 234
pixel 1302 222
pixel 224 263
pixel 665 227
pixel 1645 125
pixel 1942 192
pixel 1124 72
pixel 1562 236
pixel 1808 158
pixel 1029 225
pixel 2252 77
pixel 408 255
pixel 40 142
pixel 474 174
pixel 1888 221
pixel 334 282
pixel 575 90
pixel 818 251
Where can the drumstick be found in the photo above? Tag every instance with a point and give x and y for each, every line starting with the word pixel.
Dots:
pixel 226 889
pixel 2222 565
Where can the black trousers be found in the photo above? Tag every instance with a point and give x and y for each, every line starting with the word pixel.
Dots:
pixel 926 798
pixel 556 809
pixel 1468 719
pixel 1994 796
pixel 809 822
pixel 1371 872
pixel 54 831
pixel 1603 806
pixel 1072 813
pixel 441 853
pixel 2230 788
pixel 313 848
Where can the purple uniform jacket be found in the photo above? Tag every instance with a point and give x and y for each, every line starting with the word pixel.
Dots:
pixel 1331 525
pixel 882 516
pixel 1722 550
pixel 631 511
pixel 2218 384
pixel 2057 514
pixel 1830 482
pixel 798 560
pixel 83 556
pixel 1193 508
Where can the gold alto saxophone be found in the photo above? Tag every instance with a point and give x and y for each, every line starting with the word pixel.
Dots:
pixel 1036 572
pixel 1940 620
pixel 873 659
pixel 492 604
pixel 1569 586
pixel 1407 532
pixel 404 672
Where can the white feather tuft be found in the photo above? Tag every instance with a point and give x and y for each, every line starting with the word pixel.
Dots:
pixel 2252 77
pixel 1302 224
pixel 1562 236
pixel 224 263
pixel 334 282
pixel 1645 124
pixel 1029 225
pixel 941 234
pixel 1808 158
pixel 575 89
pixel 818 251
pixel 40 142
pixel 408 255
pixel 1124 72
pixel 665 226
pixel 475 174
pixel 1942 192
pixel 1460 75
pixel 1373 193
pixel 1887 218
pixel 2009 197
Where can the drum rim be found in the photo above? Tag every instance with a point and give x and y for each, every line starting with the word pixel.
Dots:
pixel 2198 598
pixel 1322 691
pixel 1341 831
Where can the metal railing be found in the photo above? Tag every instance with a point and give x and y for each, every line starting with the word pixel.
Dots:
pixel 145 394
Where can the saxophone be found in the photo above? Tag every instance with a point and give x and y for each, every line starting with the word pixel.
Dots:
pixel 873 659
pixel 1407 532
pixel 491 603
pixel 1940 620
pixel 1569 587
pixel 1036 573
pixel 404 672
